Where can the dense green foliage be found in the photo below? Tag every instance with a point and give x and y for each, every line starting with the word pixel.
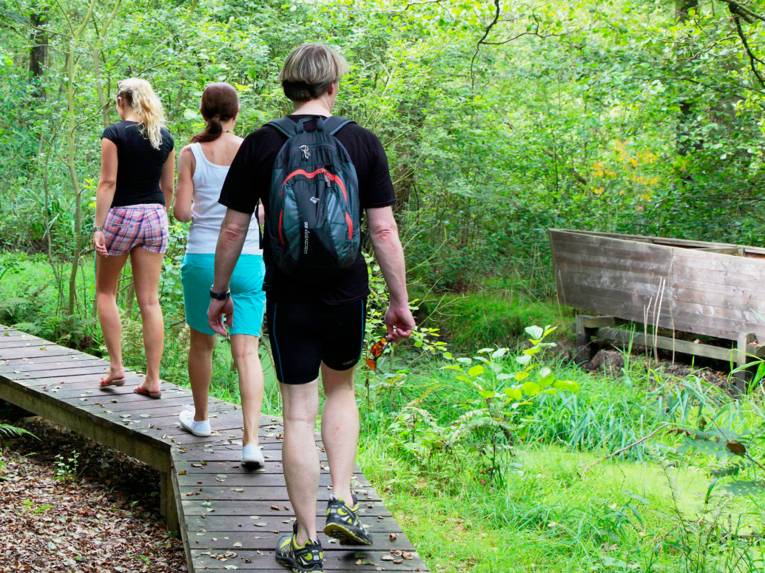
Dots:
pixel 611 115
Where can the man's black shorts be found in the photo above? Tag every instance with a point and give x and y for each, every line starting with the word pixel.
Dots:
pixel 303 335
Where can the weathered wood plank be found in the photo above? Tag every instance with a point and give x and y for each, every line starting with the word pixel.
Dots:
pixel 254 478
pixel 266 540
pixel 346 560
pixel 214 523
pixel 196 507
pixel 264 493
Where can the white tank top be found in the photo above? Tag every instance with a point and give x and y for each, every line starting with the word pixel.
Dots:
pixel 207 214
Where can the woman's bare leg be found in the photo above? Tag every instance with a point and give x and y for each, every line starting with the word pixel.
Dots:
pixel 200 370
pixel 244 349
pixel 108 270
pixel 147 267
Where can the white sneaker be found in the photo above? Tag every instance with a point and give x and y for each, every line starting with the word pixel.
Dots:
pixel 252 456
pixel 188 423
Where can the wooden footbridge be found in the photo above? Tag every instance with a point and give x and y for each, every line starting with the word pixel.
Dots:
pixel 228 518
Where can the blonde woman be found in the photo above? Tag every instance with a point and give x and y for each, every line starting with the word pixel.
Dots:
pixel 134 190
pixel 202 168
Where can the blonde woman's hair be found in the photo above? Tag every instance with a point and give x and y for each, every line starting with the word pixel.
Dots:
pixel 309 71
pixel 138 95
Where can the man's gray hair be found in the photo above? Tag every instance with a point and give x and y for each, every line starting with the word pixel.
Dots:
pixel 309 71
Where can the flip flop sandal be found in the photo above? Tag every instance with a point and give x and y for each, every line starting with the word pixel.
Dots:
pixel 113 382
pixel 144 392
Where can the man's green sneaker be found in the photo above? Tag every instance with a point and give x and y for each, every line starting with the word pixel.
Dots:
pixel 343 523
pixel 307 558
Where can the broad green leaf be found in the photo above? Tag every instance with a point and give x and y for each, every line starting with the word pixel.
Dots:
pixel 514 393
pixel 567 386
pixel 476 371
pixel 499 353
pixel 530 388
pixel 535 332
pixel 523 359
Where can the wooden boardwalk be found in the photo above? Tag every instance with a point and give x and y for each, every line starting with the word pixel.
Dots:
pixel 228 518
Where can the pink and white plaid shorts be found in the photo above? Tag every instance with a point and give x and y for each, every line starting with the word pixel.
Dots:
pixel 134 226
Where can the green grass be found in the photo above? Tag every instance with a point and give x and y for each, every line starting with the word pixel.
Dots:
pixel 547 518
pixel 491 317
pixel 560 505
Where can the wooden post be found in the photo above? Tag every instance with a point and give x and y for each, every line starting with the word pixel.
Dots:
pixel 745 341
pixel 167 505
pixel 586 327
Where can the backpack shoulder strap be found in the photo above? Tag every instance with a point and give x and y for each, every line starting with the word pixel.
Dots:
pixel 284 125
pixel 334 124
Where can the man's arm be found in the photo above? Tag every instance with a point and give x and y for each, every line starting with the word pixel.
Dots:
pixel 390 255
pixel 233 233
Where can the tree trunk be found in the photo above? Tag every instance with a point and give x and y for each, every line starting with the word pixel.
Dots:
pixel 70 158
pixel 38 52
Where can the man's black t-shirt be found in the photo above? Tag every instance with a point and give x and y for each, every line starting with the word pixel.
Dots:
pixel 139 165
pixel 249 179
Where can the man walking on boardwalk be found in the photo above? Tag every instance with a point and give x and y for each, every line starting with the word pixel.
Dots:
pixel 314 174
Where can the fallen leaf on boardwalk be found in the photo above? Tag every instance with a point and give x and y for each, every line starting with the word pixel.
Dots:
pixel 275 507
pixel 393 536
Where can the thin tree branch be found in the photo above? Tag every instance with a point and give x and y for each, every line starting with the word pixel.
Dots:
pixel 486 33
pixel 753 59
pixel 745 12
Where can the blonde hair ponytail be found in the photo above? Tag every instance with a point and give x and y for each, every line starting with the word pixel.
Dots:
pixel 139 96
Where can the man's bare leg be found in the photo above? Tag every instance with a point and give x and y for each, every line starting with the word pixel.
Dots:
pixel 300 456
pixel 340 428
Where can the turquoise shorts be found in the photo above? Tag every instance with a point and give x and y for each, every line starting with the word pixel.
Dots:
pixel 197 273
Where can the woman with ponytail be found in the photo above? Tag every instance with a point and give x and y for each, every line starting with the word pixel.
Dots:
pixel 202 168
pixel 134 191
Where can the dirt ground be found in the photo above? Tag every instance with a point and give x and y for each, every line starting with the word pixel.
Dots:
pixel 67 504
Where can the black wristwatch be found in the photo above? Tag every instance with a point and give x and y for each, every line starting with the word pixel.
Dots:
pixel 219 295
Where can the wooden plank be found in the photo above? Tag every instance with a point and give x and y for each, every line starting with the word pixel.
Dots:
pixel 265 539
pixel 53 350
pixel 47 362
pixel 242 528
pixel 666 343
pixel 345 560
pixel 96 369
pixel 258 493
pixel 254 478
pixel 197 507
pixel 229 454
pixel 21 343
pixel 106 401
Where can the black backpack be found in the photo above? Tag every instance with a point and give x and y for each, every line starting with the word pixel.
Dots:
pixel 313 210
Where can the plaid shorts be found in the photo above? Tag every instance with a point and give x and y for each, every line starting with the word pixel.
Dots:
pixel 134 226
